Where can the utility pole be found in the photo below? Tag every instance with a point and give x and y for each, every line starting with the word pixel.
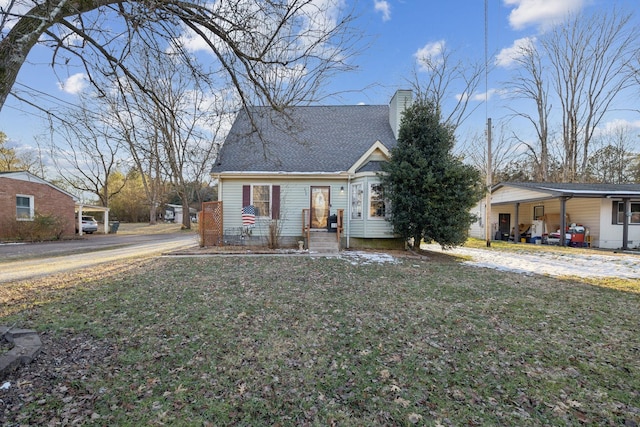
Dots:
pixel 487 213
pixel 487 208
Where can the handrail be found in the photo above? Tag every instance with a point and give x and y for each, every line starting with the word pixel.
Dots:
pixel 306 224
pixel 340 215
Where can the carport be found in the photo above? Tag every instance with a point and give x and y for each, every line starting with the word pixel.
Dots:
pixel 81 209
pixel 611 210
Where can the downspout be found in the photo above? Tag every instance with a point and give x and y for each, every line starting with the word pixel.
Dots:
pixel 219 188
pixel 348 227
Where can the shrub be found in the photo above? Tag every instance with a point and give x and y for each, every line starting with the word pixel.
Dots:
pixel 42 227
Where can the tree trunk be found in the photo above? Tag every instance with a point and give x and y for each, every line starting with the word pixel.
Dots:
pixel 153 214
pixel 186 217
pixel 16 46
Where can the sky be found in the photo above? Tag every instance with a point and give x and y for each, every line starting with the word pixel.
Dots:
pixel 397 33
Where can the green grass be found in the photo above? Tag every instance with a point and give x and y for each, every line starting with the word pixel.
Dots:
pixel 299 341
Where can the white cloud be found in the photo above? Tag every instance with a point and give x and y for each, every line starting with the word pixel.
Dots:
pixel 540 13
pixel 618 124
pixel 74 84
pixel 478 96
pixel 383 7
pixel 509 55
pixel 429 55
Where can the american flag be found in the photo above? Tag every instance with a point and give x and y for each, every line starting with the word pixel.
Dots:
pixel 248 215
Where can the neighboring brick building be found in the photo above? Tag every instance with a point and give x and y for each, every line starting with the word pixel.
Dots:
pixel 23 195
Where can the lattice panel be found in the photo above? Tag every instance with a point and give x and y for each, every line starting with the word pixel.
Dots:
pixel 211 227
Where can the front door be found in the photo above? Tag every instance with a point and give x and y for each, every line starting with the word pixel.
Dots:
pixel 504 226
pixel 319 206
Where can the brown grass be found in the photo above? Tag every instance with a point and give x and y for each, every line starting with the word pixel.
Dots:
pixel 264 340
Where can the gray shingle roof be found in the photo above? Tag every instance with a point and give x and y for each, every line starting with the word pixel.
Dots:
pixel 578 189
pixel 309 139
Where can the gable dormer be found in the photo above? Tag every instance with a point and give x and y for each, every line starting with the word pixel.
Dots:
pixel 375 154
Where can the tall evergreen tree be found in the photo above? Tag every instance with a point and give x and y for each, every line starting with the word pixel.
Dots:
pixel 430 190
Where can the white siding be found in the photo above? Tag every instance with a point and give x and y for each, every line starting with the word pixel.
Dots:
pixel 514 194
pixel 610 235
pixel 477 229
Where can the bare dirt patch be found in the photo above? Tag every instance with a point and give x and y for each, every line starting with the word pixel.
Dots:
pixel 58 377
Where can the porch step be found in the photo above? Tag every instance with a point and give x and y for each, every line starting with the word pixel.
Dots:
pixel 322 242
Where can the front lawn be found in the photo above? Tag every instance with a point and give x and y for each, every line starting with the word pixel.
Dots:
pixel 284 340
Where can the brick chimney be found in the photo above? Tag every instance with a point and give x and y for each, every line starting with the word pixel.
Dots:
pixel 400 101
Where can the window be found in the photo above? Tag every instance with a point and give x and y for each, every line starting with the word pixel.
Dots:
pixel 356 201
pixel 264 198
pixel 635 213
pixel 538 212
pixel 377 203
pixel 261 199
pixel 24 207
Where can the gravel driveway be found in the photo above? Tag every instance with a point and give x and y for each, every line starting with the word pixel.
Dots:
pixel 552 263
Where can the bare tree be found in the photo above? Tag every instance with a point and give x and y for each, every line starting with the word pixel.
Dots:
pixel 142 145
pixel 86 154
pixel 272 52
pixel 11 160
pixel 589 58
pixel 613 161
pixel 171 138
pixel 504 151
pixel 583 65
pixel 451 83
pixel 529 83
pixel 634 168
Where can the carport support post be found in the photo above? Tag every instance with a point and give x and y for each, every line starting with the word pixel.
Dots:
pixel 625 223
pixel 563 220
pixel 516 230
pixel 80 220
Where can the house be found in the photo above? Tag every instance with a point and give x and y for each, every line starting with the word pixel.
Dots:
pixel 174 213
pixel 310 170
pixel 23 195
pixel 540 209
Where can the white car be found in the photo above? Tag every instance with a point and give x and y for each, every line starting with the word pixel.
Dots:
pixel 89 224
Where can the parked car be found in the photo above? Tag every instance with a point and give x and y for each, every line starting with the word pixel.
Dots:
pixel 89 224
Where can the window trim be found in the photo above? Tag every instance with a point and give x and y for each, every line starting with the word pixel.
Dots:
pixel 31 207
pixel 619 209
pixel 270 199
pixel 274 198
pixel 538 212
pixel 385 201
pixel 357 196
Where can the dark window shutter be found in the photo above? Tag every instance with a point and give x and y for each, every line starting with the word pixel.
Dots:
pixel 275 202
pixel 614 213
pixel 246 195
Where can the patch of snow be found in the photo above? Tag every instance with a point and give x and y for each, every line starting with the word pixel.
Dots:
pixel 550 263
pixel 364 258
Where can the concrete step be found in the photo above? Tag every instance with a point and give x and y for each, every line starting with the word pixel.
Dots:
pixel 323 243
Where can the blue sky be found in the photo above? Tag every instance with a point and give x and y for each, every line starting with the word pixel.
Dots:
pixel 396 29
